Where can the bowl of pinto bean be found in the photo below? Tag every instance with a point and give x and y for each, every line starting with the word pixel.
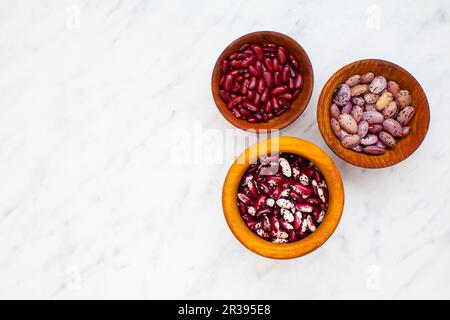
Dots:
pixel 373 113
pixel 262 80
pixel 283 197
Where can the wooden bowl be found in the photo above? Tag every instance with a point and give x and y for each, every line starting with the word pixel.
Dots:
pixel 405 146
pixel 298 105
pixel 293 249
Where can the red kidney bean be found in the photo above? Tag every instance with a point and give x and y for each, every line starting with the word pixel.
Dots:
pixel 261 86
pixel 244 87
pixel 277 78
pixel 264 117
pixel 254 71
pixel 278 90
pixel 251 95
pixel 293 72
pixel 291 84
pixel 244 47
pixel 228 84
pixel 236 113
pixel 250 106
pixel 270 49
pixel 294 62
pixel 265 75
pixel 270 55
pixel 286 96
pixel 279 208
pixel 268 64
pixel 276 107
pixel 284 103
pixel 268 108
pixel 235 64
pixel 225 66
pixel 234 73
pixel 265 95
pixel 225 96
pixel 282 55
pixel 298 81
pixel 257 99
pixel 258 51
pixel 248 52
pixel 252 84
pixel 233 56
pixel 259 67
pixel 248 61
pixel 276 65
pixel 234 101
pixel 268 79
pixel 269 44
pixel 285 75
pixel 244 112
pixel 239 78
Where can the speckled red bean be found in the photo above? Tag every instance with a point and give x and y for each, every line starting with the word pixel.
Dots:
pixel 287 205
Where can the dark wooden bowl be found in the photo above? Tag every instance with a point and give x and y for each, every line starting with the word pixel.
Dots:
pixel 405 146
pixel 298 105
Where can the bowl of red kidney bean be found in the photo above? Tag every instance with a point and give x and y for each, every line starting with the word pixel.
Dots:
pixel 373 113
pixel 263 80
pixel 283 197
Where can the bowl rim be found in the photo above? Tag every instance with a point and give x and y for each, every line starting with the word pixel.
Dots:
pixel 307 89
pixel 285 250
pixel 322 105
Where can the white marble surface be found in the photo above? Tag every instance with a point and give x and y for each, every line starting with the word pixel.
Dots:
pixel 93 95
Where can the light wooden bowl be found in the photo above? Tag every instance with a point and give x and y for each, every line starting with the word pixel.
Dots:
pixel 283 250
pixel 405 146
pixel 298 105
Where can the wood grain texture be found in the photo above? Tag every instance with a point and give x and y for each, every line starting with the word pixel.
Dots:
pixel 286 250
pixel 298 105
pixel 405 146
